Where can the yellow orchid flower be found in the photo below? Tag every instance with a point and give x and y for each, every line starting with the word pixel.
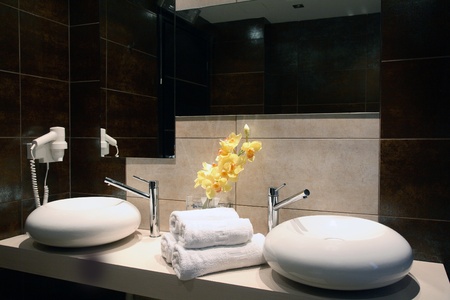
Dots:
pixel 250 148
pixel 216 178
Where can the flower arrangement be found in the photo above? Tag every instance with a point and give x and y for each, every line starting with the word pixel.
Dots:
pixel 217 177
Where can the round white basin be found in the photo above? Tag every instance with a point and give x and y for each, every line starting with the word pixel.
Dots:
pixel 83 222
pixel 338 252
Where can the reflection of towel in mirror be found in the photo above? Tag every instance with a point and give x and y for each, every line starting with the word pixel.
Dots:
pixel 167 245
pixel 177 218
pixel 208 233
pixel 191 263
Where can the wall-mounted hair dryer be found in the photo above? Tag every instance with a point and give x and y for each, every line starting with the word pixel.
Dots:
pixel 105 141
pixel 49 147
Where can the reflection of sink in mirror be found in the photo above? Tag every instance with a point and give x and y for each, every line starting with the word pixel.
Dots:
pixel 83 222
pixel 338 252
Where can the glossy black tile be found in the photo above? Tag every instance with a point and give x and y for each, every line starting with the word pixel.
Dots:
pixel 428 238
pixel 132 24
pixel 10 222
pixel 415 29
pixel 415 97
pixel 84 12
pixel 131 115
pixel 85 109
pixel 131 71
pixel 85 53
pixel 237 89
pixel 240 56
pixel 10 175
pixel 9 39
pixel 10 111
pixel 44 104
pixel 414 179
pixel 44 47
pixel 53 10
pixel 89 170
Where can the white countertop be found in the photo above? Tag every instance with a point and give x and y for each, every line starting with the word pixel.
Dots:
pixel 134 265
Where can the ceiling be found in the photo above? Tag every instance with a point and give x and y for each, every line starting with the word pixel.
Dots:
pixel 281 11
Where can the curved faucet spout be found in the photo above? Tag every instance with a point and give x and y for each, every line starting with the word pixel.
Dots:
pixel 294 198
pixel 274 205
pixel 152 195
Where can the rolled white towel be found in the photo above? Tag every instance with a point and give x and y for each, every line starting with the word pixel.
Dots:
pixel 190 263
pixel 168 243
pixel 178 217
pixel 208 233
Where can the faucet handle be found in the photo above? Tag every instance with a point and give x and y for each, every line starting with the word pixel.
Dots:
pixel 141 179
pixel 152 183
pixel 274 191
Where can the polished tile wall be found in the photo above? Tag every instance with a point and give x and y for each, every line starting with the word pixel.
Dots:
pixel 35 91
pixel 334 156
pixel 46 80
pixel 415 128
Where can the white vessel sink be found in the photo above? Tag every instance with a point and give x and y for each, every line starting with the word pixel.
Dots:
pixel 83 222
pixel 338 252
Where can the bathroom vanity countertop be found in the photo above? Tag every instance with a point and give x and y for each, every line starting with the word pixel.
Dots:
pixel 134 265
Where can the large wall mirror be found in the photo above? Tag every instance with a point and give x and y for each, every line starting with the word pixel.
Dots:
pixel 273 56
pixel 253 57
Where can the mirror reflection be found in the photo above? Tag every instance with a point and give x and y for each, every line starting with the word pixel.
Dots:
pixel 267 57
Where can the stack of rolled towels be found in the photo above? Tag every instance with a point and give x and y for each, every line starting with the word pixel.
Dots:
pixel 210 240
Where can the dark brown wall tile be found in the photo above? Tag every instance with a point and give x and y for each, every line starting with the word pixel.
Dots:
pixel 240 30
pixel 14 3
pixel 281 89
pixel 131 71
pixel 9 39
pixel 85 109
pixel 238 89
pixel 238 56
pixel 54 10
pixel 405 34
pixel 332 87
pixel 414 177
pixel 43 47
pixel 85 53
pixel 84 12
pixel 10 111
pixel 10 222
pixel 44 104
pixel 415 97
pixel 136 147
pixel 281 57
pixel 428 238
pixel 132 25
pixel 193 99
pixel 131 115
pixel 90 170
pixel 10 176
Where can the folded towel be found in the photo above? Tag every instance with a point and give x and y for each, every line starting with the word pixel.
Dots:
pixel 178 217
pixel 208 233
pixel 190 263
pixel 168 243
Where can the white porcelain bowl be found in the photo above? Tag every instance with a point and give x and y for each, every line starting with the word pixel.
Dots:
pixel 338 252
pixel 83 222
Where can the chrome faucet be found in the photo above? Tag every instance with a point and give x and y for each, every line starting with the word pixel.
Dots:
pixel 153 196
pixel 274 205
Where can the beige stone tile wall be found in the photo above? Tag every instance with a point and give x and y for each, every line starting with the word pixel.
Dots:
pixel 334 156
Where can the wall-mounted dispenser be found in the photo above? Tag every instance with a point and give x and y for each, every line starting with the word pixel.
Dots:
pixel 49 147
pixel 105 141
